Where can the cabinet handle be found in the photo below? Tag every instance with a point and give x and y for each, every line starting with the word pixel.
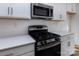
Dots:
pixel 11 11
pixel 69 44
pixel 8 10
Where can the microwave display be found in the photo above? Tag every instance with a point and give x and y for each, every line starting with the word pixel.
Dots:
pixel 41 11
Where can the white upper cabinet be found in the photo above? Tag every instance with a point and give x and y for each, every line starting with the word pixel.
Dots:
pixel 71 8
pixel 58 10
pixel 20 10
pixel 24 10
pixel 15 10
pixel 4 9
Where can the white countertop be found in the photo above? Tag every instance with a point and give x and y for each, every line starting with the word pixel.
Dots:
pixel 10 42
pixel 62 33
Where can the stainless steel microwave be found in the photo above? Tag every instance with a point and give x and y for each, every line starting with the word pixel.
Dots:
pixel 39 10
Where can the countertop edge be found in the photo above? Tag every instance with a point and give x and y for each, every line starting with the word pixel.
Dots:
pixel 17 45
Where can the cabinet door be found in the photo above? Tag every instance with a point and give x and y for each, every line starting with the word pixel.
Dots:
pixel 28 54
pixel 59 11
pixel 67 45
pixel 4 9
pixel 18 51
pixel 71 48
pixel 71 7
pixel 65 48
pixel 20 10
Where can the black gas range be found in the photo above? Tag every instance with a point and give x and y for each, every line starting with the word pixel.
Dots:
pixel 47 43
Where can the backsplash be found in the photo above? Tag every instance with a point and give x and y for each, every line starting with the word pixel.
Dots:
pixel 20 27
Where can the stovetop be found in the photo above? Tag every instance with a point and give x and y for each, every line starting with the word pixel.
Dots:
pixel 41 36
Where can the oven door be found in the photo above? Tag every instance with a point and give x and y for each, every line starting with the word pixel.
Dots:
pixel 52 51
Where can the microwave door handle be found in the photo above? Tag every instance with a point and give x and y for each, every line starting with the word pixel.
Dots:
pixel 12 11
pixel 8 10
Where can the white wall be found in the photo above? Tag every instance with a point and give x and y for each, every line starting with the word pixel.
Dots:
pixel 75 24
pixel 12 27
pixel 19 27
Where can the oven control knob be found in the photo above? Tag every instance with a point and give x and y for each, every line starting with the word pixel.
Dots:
pixel 57 39
pixel 42 43
pixel 45 42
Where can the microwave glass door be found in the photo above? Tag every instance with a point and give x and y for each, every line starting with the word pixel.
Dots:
pixel 40 11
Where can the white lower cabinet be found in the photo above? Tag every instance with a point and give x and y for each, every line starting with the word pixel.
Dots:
pixel 15 10
pixel 28 54
pixel 20 10
pixel 67 45
pixel 28 49
pixel 64 48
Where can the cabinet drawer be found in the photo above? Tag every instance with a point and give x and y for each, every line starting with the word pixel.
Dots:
pixel 29 54
pixel 67 37
pixel 17 51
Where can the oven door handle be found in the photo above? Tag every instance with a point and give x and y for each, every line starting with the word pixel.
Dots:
pixel 46 47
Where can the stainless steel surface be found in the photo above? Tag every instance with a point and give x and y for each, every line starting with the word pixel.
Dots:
pixel 40 16
pixel 43 5
pixel 49 46
pixel 36 28
pixel 39 4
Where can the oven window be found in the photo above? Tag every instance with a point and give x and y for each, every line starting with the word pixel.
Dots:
pixel 40 11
